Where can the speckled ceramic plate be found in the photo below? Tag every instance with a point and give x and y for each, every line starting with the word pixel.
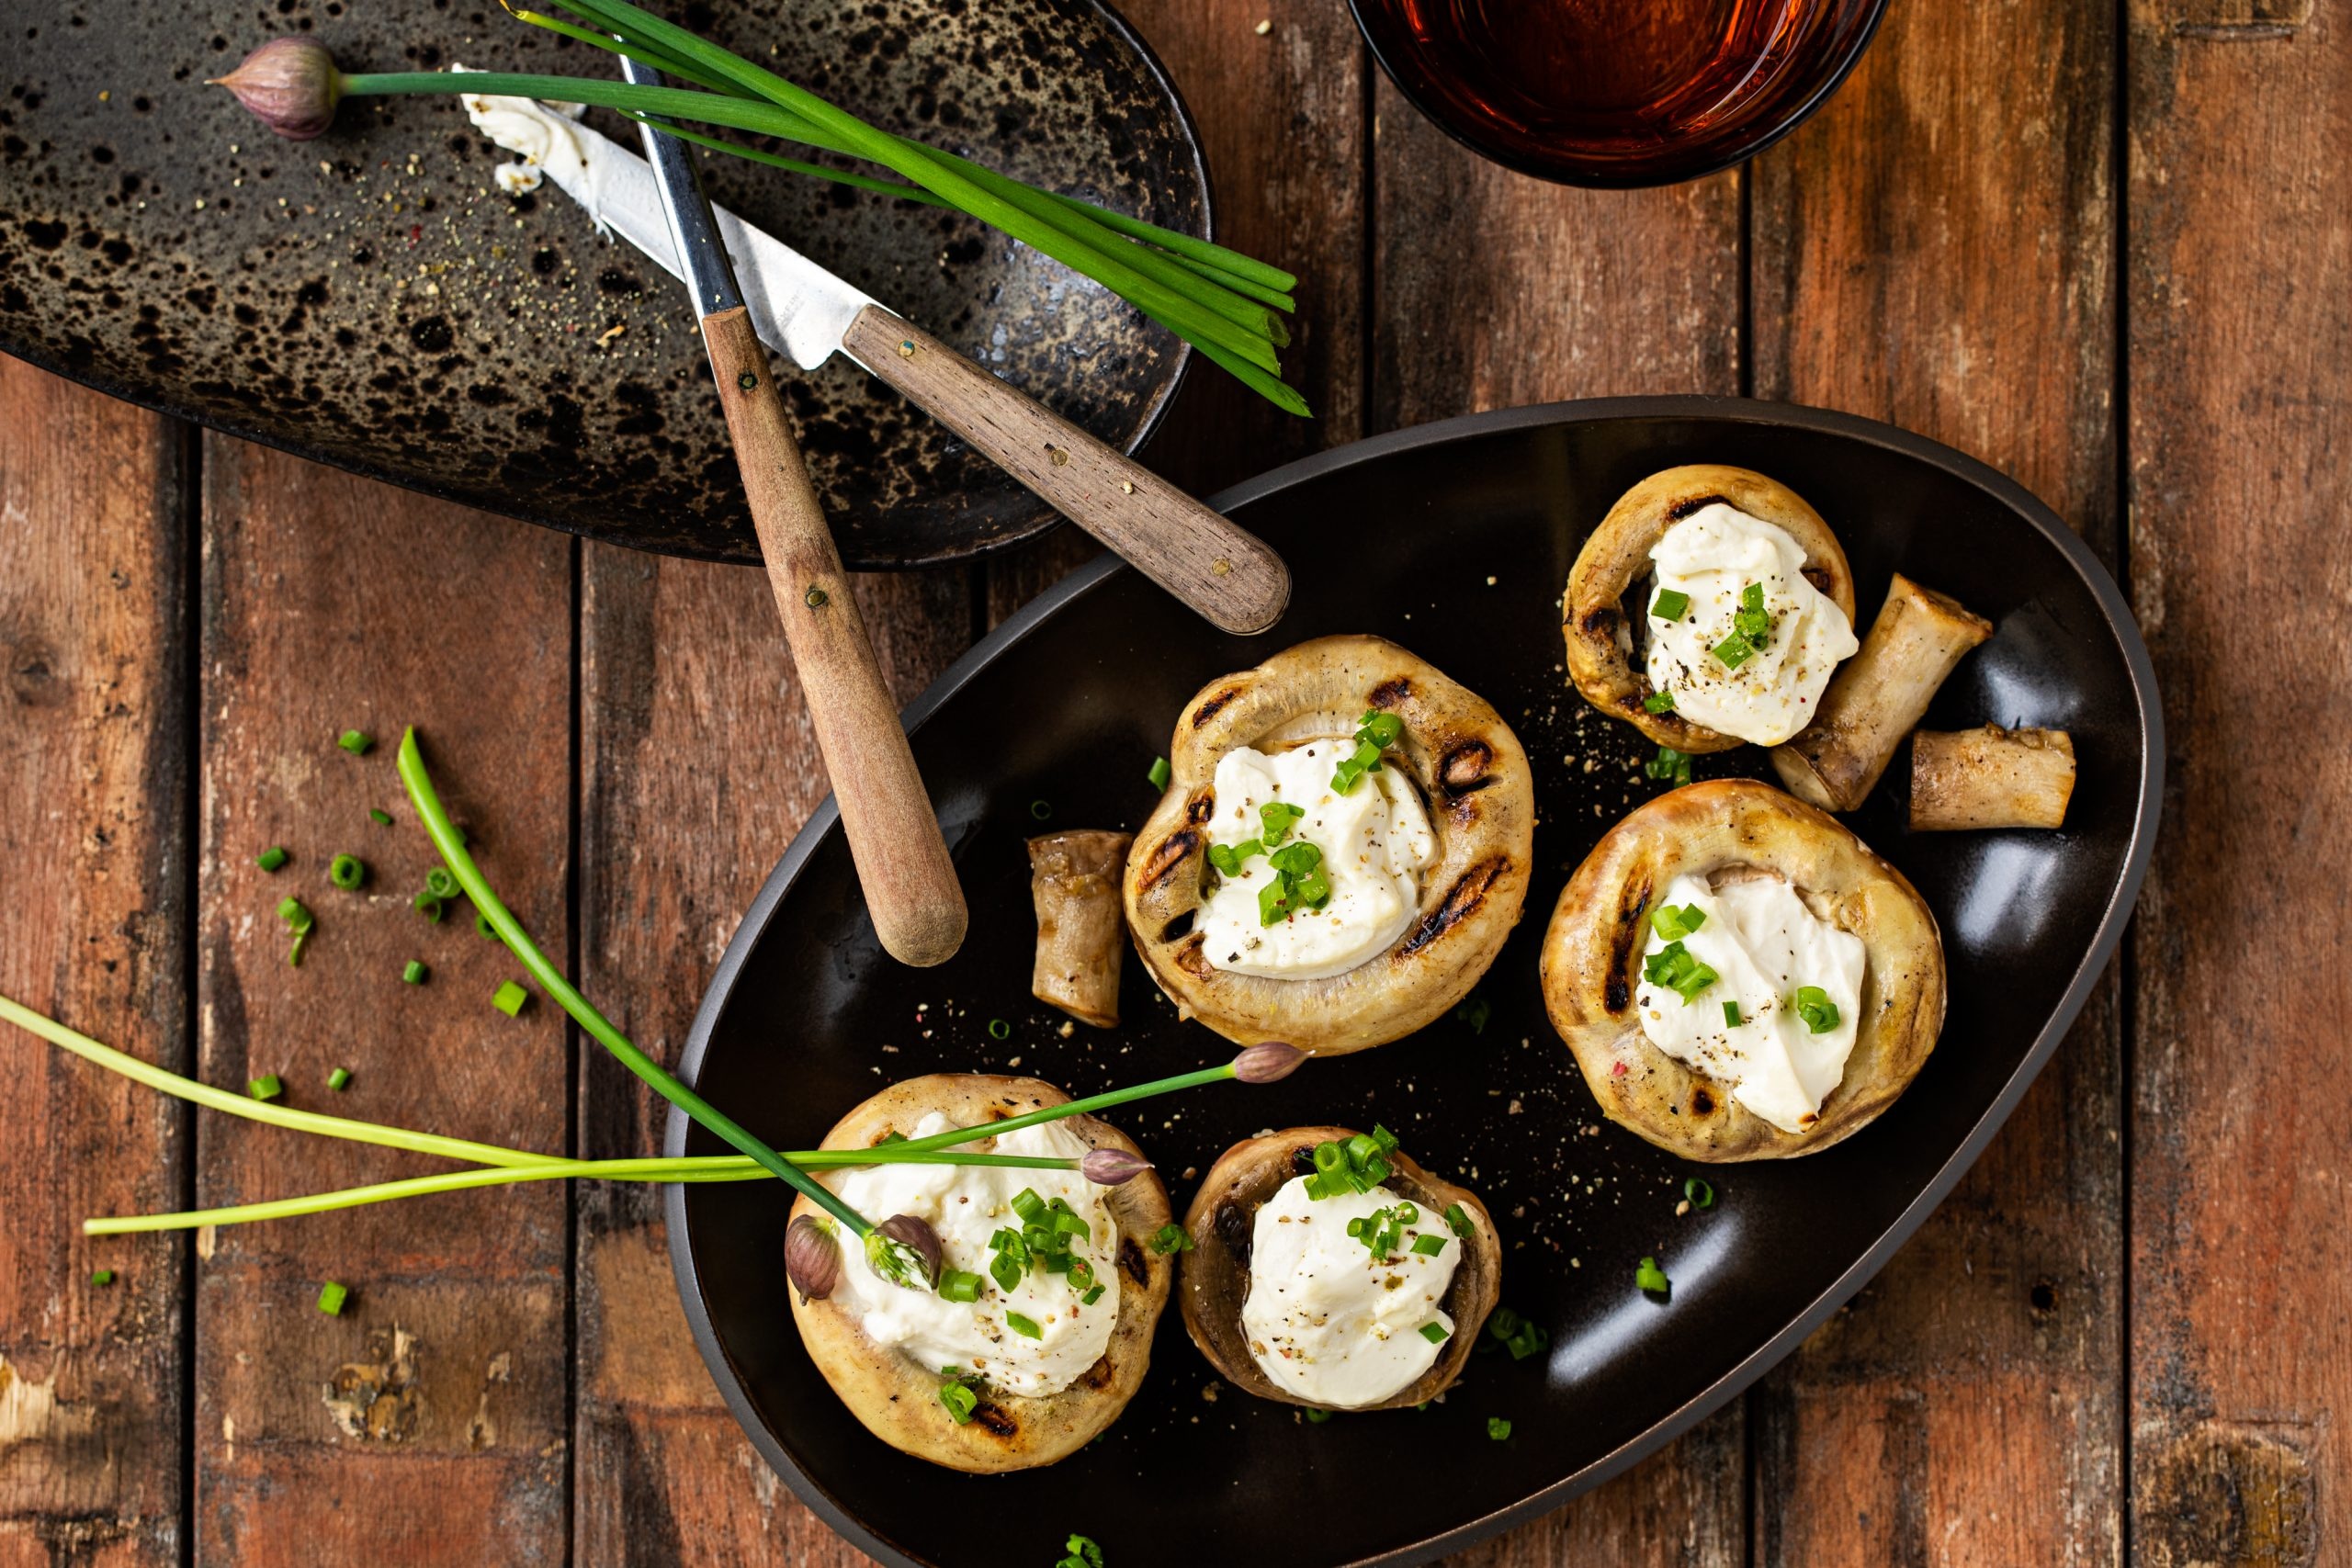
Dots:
pixel 371 300
pixel 1458 539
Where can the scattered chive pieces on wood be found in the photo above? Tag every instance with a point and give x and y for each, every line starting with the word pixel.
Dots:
pixel 338 1078
pixel 295 913
pixel 294 953
pixel 101 1277
pixel 332 1295
pixel 510 998
pixel 1158 775
pixel 265 1087
pixel 429 907
pixel 414 973
pixel 355 741
pixel 383 818
pixel 1498 1429
pixel 271 858
pixel 347 871
pixel 440 883
pixel 484 928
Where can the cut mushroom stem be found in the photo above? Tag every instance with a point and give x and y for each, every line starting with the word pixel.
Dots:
pixel 1990 778
pixel 1878 697
pixel 1081 930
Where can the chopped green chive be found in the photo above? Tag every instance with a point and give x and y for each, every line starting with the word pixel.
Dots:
pixel 295 913
pixel 355 741
pixel 1457 1220
pixel 102 1276
pixel 1094 1294
pixel 383 818
pixel 1673 967
pixel 294 953
pixel 484 928
pixel 1520 1335
pixel 960 1401
pixel 413 973
pixel 1429 1246
pixel 955 1285
pixel 1316 1417
pixel 265 1087
pixel 332 1295
pixel 1752 620
pixel 1041 809
pixel 1669 764
pixel 347 871
pixel 1358 1166
pixel 1670 604
pixel 271 858
pixel 1813 1005
pixel 1227 858
pixel 429 907
pixel 1026 1328
pixel 1733 650
pixel 1650 1277
pixel 1278 817
pixel 441 883
pixel 1436 1333
pixel 1082 1553
pixel 510 998
pixel 1731 1015
pixel 1170 1237
pixel 1375 732
pixel 339 1078
pixel 1029 1206
pixel 1498 1429
pixel 1475 1012
pixel 1673 924
pixel 1700 1195
pixel 998 1029
pixel 1658 702
pixel 1159 774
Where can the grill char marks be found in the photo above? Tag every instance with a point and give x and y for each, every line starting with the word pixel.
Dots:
pixel 1463 768
pixel 1682 509
pixel 1461 901
pixel 1172 853
pixel 1625 936
pixel 1213 704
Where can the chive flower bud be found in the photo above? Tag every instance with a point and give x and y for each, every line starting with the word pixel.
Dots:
pixel 1109 1167
pixel 1267 1063
pixel 812 1256
pixel 906 1251
pixel 291 85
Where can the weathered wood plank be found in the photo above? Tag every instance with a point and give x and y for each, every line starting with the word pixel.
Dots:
pixel 1936 249
pixel 2240 272
pixel 698 766
pixel 93 788
pixel 437 1398
pixel 1493 290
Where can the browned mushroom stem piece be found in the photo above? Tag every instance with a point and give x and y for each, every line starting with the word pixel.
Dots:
pixel 1990 778
pixel 1878 697
pixel 1082 928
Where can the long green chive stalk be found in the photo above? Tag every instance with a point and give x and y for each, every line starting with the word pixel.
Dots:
pixel 451 846
pixel 1222 302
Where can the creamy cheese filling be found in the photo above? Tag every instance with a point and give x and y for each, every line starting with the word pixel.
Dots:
pixel 1712 556
pixel 1327 1321
pixel 966 1205
pixel 1375 840
pixel 1763 944
pixel 543 139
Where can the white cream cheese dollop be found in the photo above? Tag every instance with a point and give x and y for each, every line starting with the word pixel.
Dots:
pixel 1763 943
pixel 1712 555
pixel 1375 840
pixel 966 1205
pixel 1327 1321
pixel 542 136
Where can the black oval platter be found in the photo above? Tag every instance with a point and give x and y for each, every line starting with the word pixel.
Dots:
pixel 1454 539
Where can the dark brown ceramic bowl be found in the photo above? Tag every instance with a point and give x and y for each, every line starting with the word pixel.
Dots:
pixel 1618 93
pixel 371 299
pixel 1462 535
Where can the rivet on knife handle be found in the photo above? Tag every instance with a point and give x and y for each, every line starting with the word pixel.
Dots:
pixel 903 861
pixel 1226 573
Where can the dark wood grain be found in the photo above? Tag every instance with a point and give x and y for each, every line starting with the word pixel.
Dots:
pixel 426 1422
pixel 697 764
pixel 1494 289
pixel 1936 249
pixel 2239 273
pixel 94 664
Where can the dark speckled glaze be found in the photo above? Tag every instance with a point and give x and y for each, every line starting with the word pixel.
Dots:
pixel 371 300
pixel 1464 534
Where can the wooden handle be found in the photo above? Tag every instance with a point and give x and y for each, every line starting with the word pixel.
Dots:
pixel 911 887
pixel 1226 573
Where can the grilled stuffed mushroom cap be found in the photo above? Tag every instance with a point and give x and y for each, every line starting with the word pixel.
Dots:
pixel 1601 629
pixel 1730 828
pixel 1216 1270
pixel 898 1399
pixel 1472 779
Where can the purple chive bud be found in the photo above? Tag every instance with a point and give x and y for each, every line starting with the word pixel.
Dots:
pixel 291 85
pixel 906 1251
pixel 1108 1167
pixel 1267 1063
pixel 812 1257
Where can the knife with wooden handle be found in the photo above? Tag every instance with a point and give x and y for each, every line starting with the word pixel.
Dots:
pixel 902 861
pixel 1222 571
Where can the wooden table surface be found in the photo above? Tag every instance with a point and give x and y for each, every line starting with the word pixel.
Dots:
pixel 2104 244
